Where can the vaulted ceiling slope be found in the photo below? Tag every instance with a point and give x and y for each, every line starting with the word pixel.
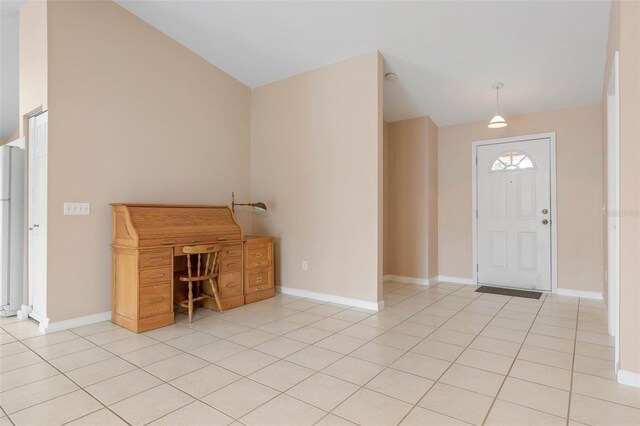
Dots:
pixel 549 54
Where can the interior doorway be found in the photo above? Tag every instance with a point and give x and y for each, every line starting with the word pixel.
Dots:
pixel 514 212
pixel 37 216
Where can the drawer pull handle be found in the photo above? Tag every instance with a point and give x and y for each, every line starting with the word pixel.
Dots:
pixel 158 275
pixel 231 264
pixel 195 240
pixel 233 284
pixel 259 279
pixel 157 260
pixel 259 288
pixel 169 242
pixel 231 252
pixel 259 255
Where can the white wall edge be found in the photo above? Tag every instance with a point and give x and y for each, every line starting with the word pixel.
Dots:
pixel 51 327
pixel 629 378
pixel 408 280
pixel 456 280
pixel 358 303
pixel 579 293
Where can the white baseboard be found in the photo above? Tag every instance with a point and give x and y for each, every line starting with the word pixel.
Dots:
pixel 47 326
pixel 408 280
pixel 455 280
pixel 629 378
pixel 579 293
pixel 358 303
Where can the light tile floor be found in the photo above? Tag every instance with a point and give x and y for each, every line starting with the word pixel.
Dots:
pixel 437 355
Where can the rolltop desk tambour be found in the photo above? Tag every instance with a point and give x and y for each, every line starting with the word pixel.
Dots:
pixel 147 242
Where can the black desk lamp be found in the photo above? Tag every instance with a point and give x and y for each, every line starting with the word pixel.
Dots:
pixel 258 206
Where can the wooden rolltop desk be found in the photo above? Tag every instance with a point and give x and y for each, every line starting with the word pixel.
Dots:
pixel 147 243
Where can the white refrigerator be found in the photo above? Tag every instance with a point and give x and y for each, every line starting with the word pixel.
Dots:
pixel 11 228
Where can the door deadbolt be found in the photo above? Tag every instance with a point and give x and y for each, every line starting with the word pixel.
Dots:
pixel 545 222
pixel 545 211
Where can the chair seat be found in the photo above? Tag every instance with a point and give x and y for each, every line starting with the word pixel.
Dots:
pixel 198 278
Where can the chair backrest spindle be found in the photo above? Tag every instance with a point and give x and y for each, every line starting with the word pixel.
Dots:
pixel 207 266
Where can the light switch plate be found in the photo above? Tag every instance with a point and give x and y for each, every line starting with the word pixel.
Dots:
pixel 77 209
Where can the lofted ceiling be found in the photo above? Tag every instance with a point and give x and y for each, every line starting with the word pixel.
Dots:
pixel 447 54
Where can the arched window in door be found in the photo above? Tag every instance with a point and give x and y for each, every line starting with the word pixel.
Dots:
pixel 512 160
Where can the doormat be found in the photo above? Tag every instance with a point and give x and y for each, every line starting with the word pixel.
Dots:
pixel 509 292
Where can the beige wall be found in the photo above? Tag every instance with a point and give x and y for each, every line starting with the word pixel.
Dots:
pixel 432 231
pixel 316 161
pixel 411 201
pixel 133 116
pixel 33 59
pixel 624 36
pixel 579 192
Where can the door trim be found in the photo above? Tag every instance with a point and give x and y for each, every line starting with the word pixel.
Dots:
pixel 41 317
pixel 612 206
pixel 474 200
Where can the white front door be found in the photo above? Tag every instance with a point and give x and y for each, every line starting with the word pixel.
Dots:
pixel 514 214
pixel 38 216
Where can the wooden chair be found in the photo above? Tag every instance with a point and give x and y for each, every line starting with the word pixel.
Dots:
pixel 207 271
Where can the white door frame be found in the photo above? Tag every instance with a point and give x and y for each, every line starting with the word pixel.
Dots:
pixel 474 199
pixel 41 317
pixel 613 204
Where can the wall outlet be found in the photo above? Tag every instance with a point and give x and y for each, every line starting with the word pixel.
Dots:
pixel 77 209
pixel 305 265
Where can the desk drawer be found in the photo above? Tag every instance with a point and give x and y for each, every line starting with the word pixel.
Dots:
pixel 258 280
pixel 230 284
pixel 230 265
pixel 155 300
pixel 231 251
pixel 155 258
pixel 258 255
pixel 155 275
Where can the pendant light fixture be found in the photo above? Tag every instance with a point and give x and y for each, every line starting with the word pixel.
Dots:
pixel 498 120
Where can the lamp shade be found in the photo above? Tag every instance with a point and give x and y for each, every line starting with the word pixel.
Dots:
pixel 260 206
pixel 497 122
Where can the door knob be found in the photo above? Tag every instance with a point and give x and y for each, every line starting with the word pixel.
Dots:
pixel 545 222
pixel 545 211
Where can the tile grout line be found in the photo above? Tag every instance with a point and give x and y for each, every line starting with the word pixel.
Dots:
pixel 67 393
pixel 333 333
pixel 573 364
pixel 486 416
pixel 142 368
pixel 331 411
pixel 361 387
pixel 465 348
